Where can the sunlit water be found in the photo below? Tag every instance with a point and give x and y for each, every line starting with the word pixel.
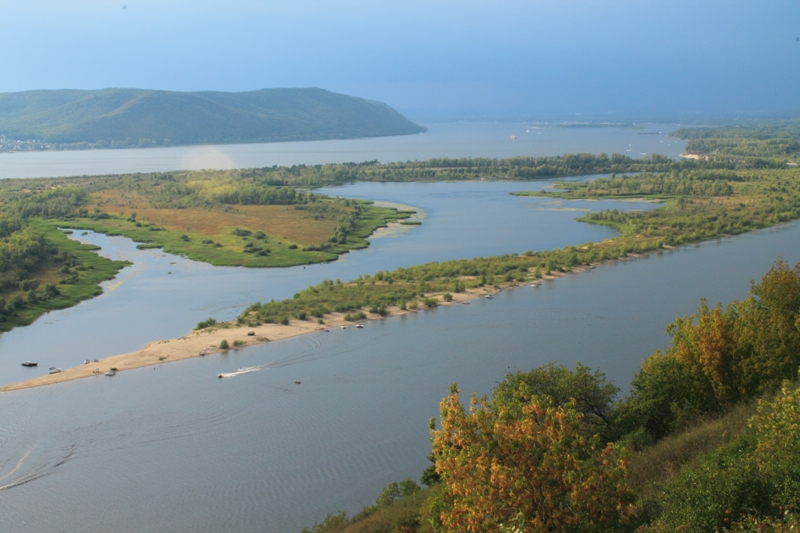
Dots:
pixel 451 139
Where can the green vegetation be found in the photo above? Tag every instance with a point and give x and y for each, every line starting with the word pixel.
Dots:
pixel 706 440
pixel 42 270
pixel 753 141
pixel 117 118
pixel 700 205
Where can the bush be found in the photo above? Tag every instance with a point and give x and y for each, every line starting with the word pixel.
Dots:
pixel 430 302
pixel 238 343
pixel 206 323
pixel 223 345
pixel 301 315
pixel 355 316
pixel 448 297
pixel 285 321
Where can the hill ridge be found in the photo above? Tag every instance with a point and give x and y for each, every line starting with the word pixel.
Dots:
pixel 116 117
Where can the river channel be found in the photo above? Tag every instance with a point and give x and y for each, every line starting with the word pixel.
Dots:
pixel 173 449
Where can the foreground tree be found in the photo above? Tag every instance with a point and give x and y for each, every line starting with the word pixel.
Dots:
pixel 525 466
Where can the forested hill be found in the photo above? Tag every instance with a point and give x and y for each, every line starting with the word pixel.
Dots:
pixel 137 117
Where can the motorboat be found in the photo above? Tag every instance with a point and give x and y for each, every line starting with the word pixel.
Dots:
pixel 219 376
pixel 344 327
pixel 359 326
pixel 86 362
pixel 465 302
pixel 489 297
pixel 30 363
pixel 111 373
pixel 54 370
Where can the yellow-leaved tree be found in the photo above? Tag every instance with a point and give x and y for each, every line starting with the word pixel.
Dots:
pixel 527 467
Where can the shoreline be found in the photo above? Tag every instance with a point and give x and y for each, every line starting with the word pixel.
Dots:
pixel 206 342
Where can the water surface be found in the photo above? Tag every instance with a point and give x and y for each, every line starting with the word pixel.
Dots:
pixel 177 450
pixel 450 139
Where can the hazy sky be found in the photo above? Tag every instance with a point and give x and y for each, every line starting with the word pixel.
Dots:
pixel 528 57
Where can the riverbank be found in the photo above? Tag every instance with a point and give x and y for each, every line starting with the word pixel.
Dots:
pixel 206 342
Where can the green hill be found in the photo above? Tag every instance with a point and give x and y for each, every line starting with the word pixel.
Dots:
pixel 137 117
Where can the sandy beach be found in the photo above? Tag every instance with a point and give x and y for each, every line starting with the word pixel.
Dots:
pixel 206 342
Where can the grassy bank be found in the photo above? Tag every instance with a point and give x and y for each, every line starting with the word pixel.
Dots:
pixel 71 273
pixel 250 236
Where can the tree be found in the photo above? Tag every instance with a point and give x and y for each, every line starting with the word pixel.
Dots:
pixel 592 393
pixel 529 467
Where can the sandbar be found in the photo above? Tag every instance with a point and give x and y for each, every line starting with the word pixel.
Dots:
pixel 206 342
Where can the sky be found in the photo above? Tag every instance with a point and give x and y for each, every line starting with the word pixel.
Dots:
pixel 502 58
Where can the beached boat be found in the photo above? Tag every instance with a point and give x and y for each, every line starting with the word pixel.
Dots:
pixel 54 370
pixel 86 362
pixel 489 297
pixel 111 373
pixel 30 363
pixel 465 302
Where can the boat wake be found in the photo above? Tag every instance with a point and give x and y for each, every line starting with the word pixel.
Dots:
pixel 35 471
pixel 242 371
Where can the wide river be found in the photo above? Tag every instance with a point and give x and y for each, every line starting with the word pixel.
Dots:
pixel 173 449
pixel 449 139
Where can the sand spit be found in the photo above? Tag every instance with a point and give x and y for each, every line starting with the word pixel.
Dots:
pixel 206 342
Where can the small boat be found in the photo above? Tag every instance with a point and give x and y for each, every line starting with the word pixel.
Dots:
pixel 591 267
pixel 534 285
pixel 111 373
pixel 54 370
pixel 297 383
pixel 326 330
pixel 359 326
pixel 86 362
pixel 465 302
pixel 30 363
pixel 344 327
pixel 489 297
pixel 219 376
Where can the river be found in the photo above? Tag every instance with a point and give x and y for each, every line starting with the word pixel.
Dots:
pixel 448 139
pixel 173 449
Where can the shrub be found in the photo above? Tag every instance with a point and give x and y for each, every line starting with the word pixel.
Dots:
pixel 448 297
pixel 430 302
pixel 239 343
pixel 206 323
pixel 293 247
pixel 223 345
pixel 301 315
pixel 285 321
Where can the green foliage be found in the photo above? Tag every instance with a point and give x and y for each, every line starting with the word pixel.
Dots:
pixel 206 323
pixel 223 345
pixel 720 357
pixel 115 118
pixel 589 391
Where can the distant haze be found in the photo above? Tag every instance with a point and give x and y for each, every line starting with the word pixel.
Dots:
pixel 525 59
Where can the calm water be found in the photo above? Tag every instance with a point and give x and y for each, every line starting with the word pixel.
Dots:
pixel 176 450
pixel 452 139
pixel 164 296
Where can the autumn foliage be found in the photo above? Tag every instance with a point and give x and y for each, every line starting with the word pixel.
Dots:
pixel 528 470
